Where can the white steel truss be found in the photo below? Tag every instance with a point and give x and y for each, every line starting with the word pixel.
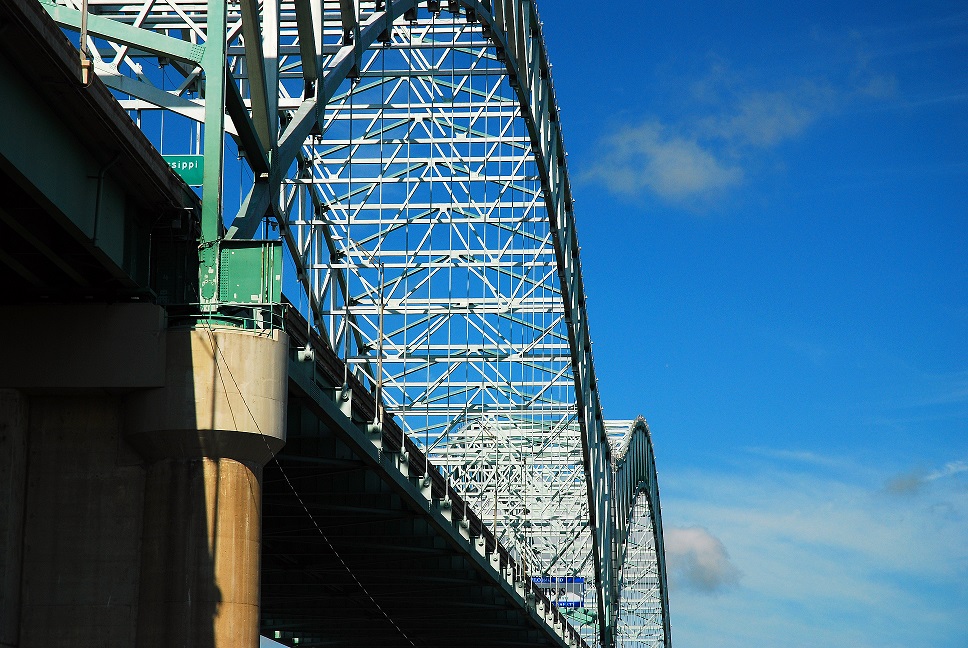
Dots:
pixel 425 228
pixel 643 597
pixel 409 156
pixel 640 623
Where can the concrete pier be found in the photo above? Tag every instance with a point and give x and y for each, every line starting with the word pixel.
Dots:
pixel 200 555
pixel 83 517
pixel 206 436
pixel 130 486
pixel 13 472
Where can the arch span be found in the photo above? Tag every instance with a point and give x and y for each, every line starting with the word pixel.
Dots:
pixel 643 593
pixel 410 157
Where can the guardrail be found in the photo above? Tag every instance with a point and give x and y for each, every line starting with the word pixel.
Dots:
pixel 249 317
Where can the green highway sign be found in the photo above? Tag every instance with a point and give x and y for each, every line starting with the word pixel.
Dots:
pixel 189 167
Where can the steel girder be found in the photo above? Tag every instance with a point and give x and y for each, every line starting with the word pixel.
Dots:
pixel 413 164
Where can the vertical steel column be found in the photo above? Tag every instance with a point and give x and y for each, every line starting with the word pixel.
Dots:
pixel 213 64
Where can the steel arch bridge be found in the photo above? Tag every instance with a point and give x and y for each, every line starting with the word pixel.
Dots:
pixel 408 158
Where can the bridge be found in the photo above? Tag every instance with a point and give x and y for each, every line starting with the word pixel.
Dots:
pixel 295 339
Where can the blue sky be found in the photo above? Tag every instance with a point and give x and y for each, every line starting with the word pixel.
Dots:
pixel 782 189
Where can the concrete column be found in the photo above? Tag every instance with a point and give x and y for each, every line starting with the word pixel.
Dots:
pixel 13 476
pixel 206 436
pixel 200 554
pixel 82 525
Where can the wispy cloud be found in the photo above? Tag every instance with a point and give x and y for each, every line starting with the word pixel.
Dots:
pixel 728 120
pixel 651 156
pixel 915 481
pixel 696 159
pixel 698 561
pixel 950 389
pixel 950 468
pixel 765 118
pixel 930 35
pixel 804 457
pixel 929 401
pixel 827 558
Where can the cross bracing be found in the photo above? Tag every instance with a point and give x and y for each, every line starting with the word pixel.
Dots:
pixel 410 157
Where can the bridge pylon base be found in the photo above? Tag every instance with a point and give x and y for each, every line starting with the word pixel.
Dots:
pixel 131 460
pixel 206 435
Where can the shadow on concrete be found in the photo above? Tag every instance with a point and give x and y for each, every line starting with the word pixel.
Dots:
pixel 180 598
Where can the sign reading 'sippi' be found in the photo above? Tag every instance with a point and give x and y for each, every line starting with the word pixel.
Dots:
pixel 188 167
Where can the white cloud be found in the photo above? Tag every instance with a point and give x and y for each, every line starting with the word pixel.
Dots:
pixel 698 158
pixel 698 561
pixel 728 122
pixel 827 558
pixel 949 469
pixel 670 164
pixel 949 389
pixel 764 119
pixel 802 456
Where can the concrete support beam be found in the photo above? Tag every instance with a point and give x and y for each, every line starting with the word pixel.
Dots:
pixel 83 348
pixel 82 525
pixel 130 468
pixel 224 397
pixel 13 474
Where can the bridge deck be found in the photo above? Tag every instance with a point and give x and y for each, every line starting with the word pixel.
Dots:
pixel 355 552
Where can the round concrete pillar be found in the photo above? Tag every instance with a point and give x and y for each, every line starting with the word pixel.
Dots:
pixel 206 436
pixel 200 554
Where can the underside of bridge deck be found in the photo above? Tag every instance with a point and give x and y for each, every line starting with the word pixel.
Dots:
pixel 358 566
pixel 87 205
pixel 359 551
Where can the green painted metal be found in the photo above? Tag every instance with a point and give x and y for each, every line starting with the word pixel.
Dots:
pixel 79 189
pixel 188 167
pixel 213 63
pixel 250 272
pixel 211 57
pixel 208 275
pixel 143 39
